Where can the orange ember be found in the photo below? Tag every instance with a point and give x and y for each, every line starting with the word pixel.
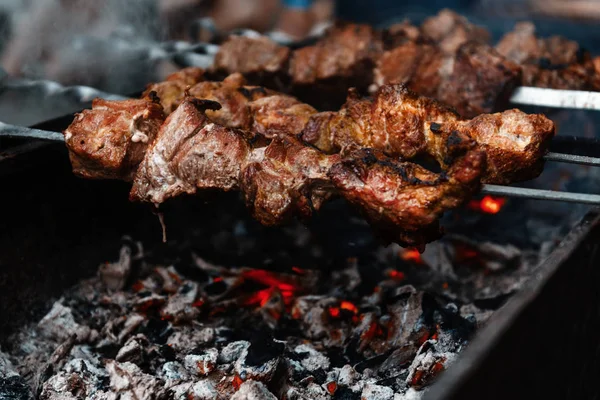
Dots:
pixel 346 305
pixel 299 270
pixel 273 282
pixel 412 255
pixel 237 382
pixel 138 286
pixel 489 204
pixel 396 275
pixel 334 312
pixel 332 387
pixel 217 279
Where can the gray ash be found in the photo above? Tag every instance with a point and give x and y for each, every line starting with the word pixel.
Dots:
pixel 170 323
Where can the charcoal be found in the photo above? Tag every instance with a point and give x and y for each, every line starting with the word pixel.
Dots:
pixel 134 350
pixel 180 306
pixel 377 392
pixel 203 364
pixel 173 373
pixel 114 275
pixel 191 337
pixel 204 389
pixel 253 390
pixel 233 351
pixel 59 324
pixel 129 381
pixel 311 359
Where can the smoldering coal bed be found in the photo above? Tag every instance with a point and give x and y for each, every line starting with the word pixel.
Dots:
pixel 230 309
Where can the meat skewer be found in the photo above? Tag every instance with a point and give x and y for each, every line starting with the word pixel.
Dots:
pixel 278 178
pixel 395 121
pixel 446 58
pixel 12 131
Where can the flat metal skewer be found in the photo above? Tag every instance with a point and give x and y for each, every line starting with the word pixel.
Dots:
pixel 511 191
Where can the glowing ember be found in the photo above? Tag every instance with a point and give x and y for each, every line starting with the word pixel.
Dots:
pixel 489 204
pixel 138 286
pixel 299 270
pixel 280 283
pixel 346 305
pixel 334 312
pixel 332 387
pixel 411 255
pixel 237 382
pixel 396 275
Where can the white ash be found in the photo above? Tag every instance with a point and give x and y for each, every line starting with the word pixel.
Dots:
pixel 114 275
pixel 377 392
pixel 312 360
pixel 253 390
pixel 59 324
pixel 201 365
pixel 190 337
pixel 204 389
pixel 233 351
pixel 151 332
pixel 130 382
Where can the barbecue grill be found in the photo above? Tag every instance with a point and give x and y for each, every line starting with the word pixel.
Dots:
pixel 515 354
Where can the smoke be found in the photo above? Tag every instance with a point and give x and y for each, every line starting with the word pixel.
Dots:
pixel 99 43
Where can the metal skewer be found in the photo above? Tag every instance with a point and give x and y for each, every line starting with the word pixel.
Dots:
pixel 540 194
pixel 13 131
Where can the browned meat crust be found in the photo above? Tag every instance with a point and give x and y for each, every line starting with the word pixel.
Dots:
pixel 171 91
pixel 396 121
pixel 417 196
pixel 400 123
pixel 255 108
pixel 553 62
pixel 450 30
pixel 110 140
pixel 473 80
pixel 288 178
pixel 260 60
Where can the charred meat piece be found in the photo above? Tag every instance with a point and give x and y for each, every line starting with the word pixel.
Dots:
pixel 402 124
pixel 289 178
pixel 171 91
pixel 450 30
pixel 110 140
pixel 260 60
pixel 404 200
pixel 474 79
pixel 255 108
pixel 553 62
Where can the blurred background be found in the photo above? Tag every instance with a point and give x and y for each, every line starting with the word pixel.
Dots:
pixel 111 44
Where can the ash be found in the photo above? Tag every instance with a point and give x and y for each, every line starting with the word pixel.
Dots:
pixel 153 326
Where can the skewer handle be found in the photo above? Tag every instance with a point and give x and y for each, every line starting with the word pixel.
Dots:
pixel 17 132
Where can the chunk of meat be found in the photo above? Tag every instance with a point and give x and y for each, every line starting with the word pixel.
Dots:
pixel 402 124
pixel 171 91
pixel 110 140
pixel 403 200
pixel 450 30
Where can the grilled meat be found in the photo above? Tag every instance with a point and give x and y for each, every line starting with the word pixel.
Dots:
pixel 413 197
pixel 286 177
pixel 255 108
pixel 171 91
pixel 260 59
pixel 553 62
pixel 396 121
pixel 450 31
pixel 473 80
pixel 402 124
pixel 110 140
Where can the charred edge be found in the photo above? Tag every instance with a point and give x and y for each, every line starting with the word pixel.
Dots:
pixel 203 105
pixel 154 97
pixel 454 139
pixel 435 127
pixel 249 93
